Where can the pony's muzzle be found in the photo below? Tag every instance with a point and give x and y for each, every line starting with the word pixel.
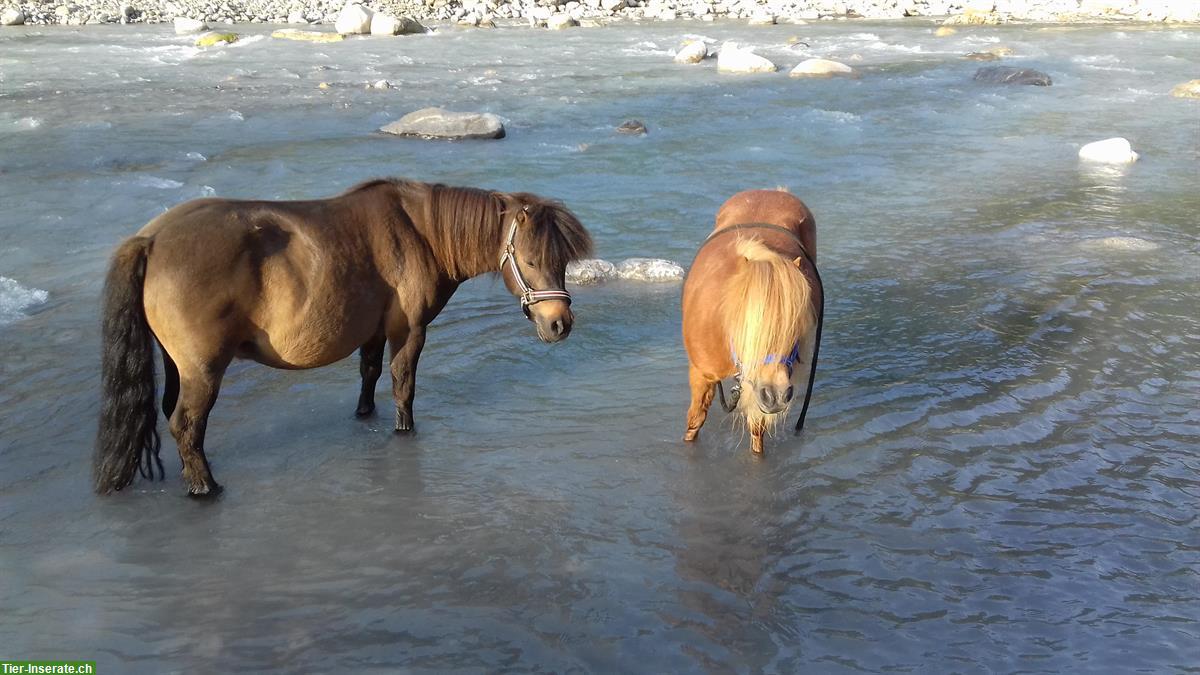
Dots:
pixel 773 400
pixel 553 322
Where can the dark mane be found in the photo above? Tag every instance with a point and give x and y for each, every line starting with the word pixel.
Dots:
pixel 466 226
pixel 558 236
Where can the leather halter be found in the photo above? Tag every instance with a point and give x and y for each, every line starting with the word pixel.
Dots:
pixel 529 296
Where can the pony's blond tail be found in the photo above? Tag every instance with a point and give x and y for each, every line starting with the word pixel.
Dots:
pixel 766 309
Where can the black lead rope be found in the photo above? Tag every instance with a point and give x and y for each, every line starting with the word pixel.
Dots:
pixel 812 371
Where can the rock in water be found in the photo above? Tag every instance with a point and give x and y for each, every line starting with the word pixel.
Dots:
pixel 354 19
pixel 561 21
pixel 12 17
pixel 384 24
pixel 944 31
pixel 1010 75
pixel 1189 89
pixel 184 25
pixel 981 56
pixel 216 38
pixel 306 35
pixel 733 59
pixel 649 269
pixel 693 51
pixel 438 123
pixel 820 68
pixel 590 271
pixel 634 127
pixel 1109 151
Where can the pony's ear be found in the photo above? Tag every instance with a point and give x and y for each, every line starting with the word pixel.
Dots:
pixel 799 262
pixel 523 214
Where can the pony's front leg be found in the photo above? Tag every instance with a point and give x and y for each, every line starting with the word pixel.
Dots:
pixel 404 375
pixel 702 396
pixel 758 427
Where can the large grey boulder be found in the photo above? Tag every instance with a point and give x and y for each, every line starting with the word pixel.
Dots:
pixel 12 17
pixel 1010 75
pixel 438 123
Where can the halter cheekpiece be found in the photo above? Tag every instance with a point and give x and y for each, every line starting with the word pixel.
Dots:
pixel 529 296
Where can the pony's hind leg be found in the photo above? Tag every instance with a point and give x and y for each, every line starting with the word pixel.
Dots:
pixel 197 394
pixel 170 383
pixel 702 396
pixel 405 354
pixel 370 366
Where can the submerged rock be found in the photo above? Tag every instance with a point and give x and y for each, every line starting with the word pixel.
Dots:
pixel 733 59
pixel 1120 244
pixel 820 68
pixel 634 127
pixel 439 123
pixel 216 38
pixel 307 35
pixel 590 271
pixel 1109 151
pixel 184 25
pixel 693 51
pixel 649 269
pixel 1010 75
pixel 1189 89
pixel 944 31
pixel 981 56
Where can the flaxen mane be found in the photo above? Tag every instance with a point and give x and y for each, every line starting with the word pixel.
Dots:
pixel 767 306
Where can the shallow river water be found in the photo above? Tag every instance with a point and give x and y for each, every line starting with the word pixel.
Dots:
pixel 1000 469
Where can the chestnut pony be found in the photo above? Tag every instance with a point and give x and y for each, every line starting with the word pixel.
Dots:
pixel 751 307
pixel 302 284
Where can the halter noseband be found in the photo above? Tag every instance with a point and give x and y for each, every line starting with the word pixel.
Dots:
pixel 529 296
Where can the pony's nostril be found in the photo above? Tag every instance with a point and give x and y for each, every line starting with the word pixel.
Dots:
pixel 766 395
pixel 787 395
pixel 558 327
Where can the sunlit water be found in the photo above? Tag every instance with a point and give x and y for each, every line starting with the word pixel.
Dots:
pixel 1000 470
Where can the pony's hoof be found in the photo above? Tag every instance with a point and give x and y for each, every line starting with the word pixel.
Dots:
pixel 364 411
pixel 204 490
pixel 404 422
pixel 691 435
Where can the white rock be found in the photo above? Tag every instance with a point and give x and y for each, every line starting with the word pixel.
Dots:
pixel 733 59
pixel 296 17
pixel 612 5
pixel 184 25
pixel 382 84
pixel 12 17
pixel 384 24
pixel 1109 151
pixel 541 13
pixel 820 68
pixel 762 19
pixel 590 271
pixel 354 19
pixel 561 21
pixel 438 123
pixel 649 269
pixel 692 52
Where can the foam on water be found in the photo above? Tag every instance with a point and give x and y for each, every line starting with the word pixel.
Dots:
pixel 593 271
pixel 16 299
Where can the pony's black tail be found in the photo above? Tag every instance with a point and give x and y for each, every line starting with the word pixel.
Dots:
pixel 128 437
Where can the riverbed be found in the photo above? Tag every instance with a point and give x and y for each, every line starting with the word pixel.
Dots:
pixel 999 470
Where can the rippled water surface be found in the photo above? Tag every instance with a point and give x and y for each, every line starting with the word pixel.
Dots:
pixel 1000 470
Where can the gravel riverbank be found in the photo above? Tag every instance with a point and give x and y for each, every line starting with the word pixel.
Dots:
pixel 566 13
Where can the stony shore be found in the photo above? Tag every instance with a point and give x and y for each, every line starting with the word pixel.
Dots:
pixel 566 13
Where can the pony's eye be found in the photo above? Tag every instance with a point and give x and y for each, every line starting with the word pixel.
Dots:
pixel 529 265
